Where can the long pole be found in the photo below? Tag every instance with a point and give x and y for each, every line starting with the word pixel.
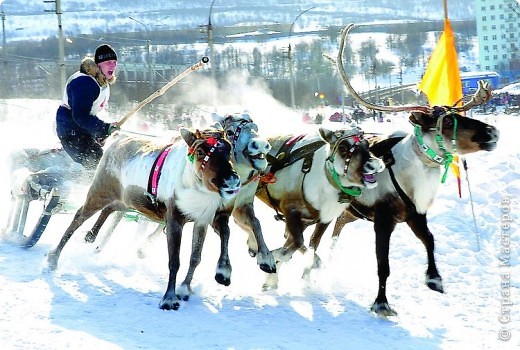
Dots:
pixel 465 164
pixel 162 90
pixel 445 3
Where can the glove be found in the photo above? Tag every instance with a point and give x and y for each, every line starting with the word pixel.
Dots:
pixel 112 127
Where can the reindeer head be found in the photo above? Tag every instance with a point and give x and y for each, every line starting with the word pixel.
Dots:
pixel 248 147
pixel 209 154
pixel 450 129
pixel 350 162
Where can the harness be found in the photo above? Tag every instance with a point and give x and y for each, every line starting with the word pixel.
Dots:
pixel 430 155
pixel 384 149
pixel 253 175
pixel 155 174
pixel 286 157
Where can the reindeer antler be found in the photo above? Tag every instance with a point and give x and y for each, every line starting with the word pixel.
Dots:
pixel 481 96
pixel 348 86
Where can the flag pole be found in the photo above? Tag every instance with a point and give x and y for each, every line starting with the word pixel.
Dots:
pixel 445 3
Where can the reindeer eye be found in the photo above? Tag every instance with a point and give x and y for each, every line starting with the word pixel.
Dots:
pixel 200 154
pixel 343 148
pixel 447 122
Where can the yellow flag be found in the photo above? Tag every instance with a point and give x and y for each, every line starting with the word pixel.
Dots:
pixel 441 82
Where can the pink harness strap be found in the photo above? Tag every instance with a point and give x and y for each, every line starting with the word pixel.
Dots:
pixel 155 174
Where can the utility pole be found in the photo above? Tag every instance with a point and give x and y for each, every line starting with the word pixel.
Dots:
pixel 290 56
pixel 148 57
pixel 4 45
pixel 210 42
pixel 61 48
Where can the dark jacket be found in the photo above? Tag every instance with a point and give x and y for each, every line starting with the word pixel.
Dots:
pixel 86 94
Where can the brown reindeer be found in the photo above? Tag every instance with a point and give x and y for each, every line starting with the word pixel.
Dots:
pixel 415 164
pixel 315 176
pixel 197 179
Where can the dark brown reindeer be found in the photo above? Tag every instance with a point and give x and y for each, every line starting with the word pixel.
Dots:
pixel 415 164
pixel 196 181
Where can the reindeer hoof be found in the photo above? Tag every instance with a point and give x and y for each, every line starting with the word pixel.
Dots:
pixel 267 268
pixel 90 237
pixel 169 304
pixel 183 292
pixel 383 309
pixel 252 253
pixel 435 284
pixel 221 279
pixel 266 262
pixel 52 261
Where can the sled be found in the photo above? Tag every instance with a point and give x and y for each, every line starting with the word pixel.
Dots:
pixel 39 177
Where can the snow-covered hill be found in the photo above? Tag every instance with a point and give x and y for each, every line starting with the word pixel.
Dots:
pixel 32 19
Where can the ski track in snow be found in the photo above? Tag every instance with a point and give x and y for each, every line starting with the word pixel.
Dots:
pixel 109 300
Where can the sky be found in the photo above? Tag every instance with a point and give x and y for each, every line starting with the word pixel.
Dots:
pixel 109 300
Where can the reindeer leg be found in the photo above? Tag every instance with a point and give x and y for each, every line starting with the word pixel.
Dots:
pixel 419 225
pixel 116 219
pixel 345 218
pixel 315 261
pixel 245 217
pixel 199 235
pixel 221 226
pixel 294 240
pixel 83 214
pixel 91 235
pixel 141 252
pixel 174 223
pixel 384 225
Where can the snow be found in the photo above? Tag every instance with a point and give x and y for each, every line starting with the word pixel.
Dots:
pixel 109 300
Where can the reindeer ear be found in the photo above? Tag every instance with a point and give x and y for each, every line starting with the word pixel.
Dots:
pixel 327 135
pixel 245 115
pixel 188 136
pixel 217 126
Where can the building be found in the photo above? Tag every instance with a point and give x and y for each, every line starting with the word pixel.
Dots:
pixel 498 31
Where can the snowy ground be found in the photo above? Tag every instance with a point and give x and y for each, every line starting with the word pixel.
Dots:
pixel 109 300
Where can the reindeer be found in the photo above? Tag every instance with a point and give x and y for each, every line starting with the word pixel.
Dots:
pixel 249 151
pixel 312 179
pixel 176 183
pixel 408 186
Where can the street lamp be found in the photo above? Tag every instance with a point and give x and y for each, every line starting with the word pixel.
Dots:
pixel 289 55
pixel 148 61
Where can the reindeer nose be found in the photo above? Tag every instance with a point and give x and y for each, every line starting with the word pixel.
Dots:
pixel 492 132
pixel 374 165
pixel 257 145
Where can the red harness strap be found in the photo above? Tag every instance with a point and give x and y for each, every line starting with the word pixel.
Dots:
pixel 155 173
